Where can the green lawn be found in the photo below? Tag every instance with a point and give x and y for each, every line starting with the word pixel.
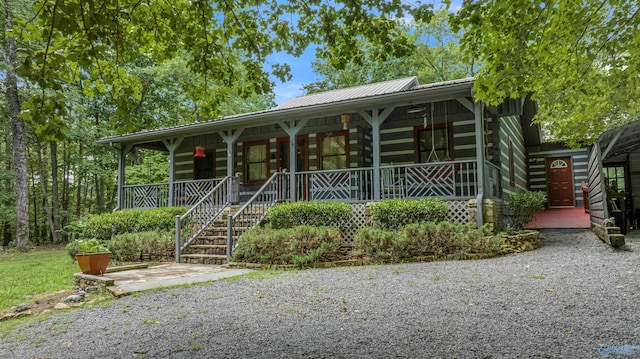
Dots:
pixel 35 272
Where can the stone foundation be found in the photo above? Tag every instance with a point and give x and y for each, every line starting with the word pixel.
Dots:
pixel 491 213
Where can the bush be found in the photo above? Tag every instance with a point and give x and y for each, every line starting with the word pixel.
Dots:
pixel 298 245
pixel 289 215
pixel 524 205
pixel 142 246
pixel 397 213
pixel 106 225
pixel 426 239
pixel 85 246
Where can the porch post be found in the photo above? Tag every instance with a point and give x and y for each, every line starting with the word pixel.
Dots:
pixel 230 137
pixel 375 120
pixel 122 153
pixel 478 112
pixel 172 145
pixel 292 130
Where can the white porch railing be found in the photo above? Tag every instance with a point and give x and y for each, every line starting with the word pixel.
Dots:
pixel 454 179
pixel 276 189
pixel 347 185
pixel 185 193
pixel 190 225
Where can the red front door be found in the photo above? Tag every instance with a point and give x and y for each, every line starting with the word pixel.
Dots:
pixel 559 182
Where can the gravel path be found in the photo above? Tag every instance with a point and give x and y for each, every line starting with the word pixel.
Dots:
pixel 563 300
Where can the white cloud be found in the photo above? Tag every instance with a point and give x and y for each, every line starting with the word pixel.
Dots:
pixel 287 91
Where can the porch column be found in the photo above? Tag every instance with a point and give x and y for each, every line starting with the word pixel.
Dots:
pixel 375 120
pixel 478 112
pixel 171 145
pixel 292 129
pixel 122 153
pixel 230 137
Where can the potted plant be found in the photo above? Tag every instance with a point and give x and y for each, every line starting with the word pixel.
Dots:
pixel 92 255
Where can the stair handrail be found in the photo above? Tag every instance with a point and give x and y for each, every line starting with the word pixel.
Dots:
pixel 275 190
pixel 191 224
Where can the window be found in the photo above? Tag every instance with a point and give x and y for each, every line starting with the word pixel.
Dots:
pixel 256 162
pixel 512 165
pixel 433 144
pixel 615 176
pixel 334 149
pixel 204 167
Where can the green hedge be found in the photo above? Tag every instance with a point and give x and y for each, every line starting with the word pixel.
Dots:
pixel 524 205
pixel 106 225
pixel 289 215
pixel 298 245
pixel 143 246
pixel 426 239
pixel 397 213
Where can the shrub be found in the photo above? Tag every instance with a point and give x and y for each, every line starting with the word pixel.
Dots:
pixel 298 245
pixel 85 246
pixel 426 239
pixel 289 215
pixel 524 205
pixel 106 225
pixel 148 245
pixel 397 213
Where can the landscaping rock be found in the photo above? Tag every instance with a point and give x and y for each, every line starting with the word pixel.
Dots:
pixel 21 308
pixel 61 306
pixel 91 288
pixel 75 298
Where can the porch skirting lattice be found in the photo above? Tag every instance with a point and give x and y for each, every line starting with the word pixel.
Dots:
pixel 458 213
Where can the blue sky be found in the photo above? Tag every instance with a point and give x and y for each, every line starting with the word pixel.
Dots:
pixel 301 67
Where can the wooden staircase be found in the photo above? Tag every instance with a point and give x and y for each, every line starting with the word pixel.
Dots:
pixel 211 246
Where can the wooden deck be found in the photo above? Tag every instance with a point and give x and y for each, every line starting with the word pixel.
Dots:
pixel 560 218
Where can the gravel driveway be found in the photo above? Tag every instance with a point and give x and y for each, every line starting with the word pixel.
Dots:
pixel 566 299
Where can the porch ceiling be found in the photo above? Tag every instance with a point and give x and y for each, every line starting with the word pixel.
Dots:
pixel 407 92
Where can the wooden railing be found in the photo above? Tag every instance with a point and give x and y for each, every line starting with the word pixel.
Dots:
pixel 275 190
pixel 185 193
pixel 190 225
pixel 454 179
pixel 345 185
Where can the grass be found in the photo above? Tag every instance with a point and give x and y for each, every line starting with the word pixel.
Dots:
pixel 35 272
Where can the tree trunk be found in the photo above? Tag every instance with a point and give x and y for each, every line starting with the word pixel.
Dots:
pixel 99 193
pixel 20 186
pixel 45 200
pixel 55 202
pixel 79 184
pixel 7 235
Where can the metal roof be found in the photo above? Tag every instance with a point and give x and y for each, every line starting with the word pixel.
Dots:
pixel 398 92
pixel 351 93
pixel 625 139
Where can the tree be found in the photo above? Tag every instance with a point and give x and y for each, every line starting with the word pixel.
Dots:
pixel 436 57
pixel 579 59
pixel 104 46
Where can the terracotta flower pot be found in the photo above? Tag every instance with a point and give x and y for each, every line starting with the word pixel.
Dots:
pixel 93 263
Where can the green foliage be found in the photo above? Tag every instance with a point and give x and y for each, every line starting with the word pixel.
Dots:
pixel 396 213
pixel 579 60
pixel 426 239
pixel 524 205
pixel 288 215
pixel 298 245
pixel 436 57
pixel 149 245
pixel 86 246
pixel 106 225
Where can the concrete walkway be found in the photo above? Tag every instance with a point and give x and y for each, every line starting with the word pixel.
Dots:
pixel 167 275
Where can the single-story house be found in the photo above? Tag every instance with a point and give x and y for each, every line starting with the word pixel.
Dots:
pixel 393 139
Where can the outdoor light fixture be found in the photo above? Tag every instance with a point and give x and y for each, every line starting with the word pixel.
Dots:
pixel 345 121
pixel 199 152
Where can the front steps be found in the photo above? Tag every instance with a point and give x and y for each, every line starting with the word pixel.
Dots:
pixel 211 246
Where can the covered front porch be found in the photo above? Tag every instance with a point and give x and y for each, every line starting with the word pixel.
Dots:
pixel 451 180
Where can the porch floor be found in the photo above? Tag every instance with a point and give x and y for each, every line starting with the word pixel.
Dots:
pixel 560 218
